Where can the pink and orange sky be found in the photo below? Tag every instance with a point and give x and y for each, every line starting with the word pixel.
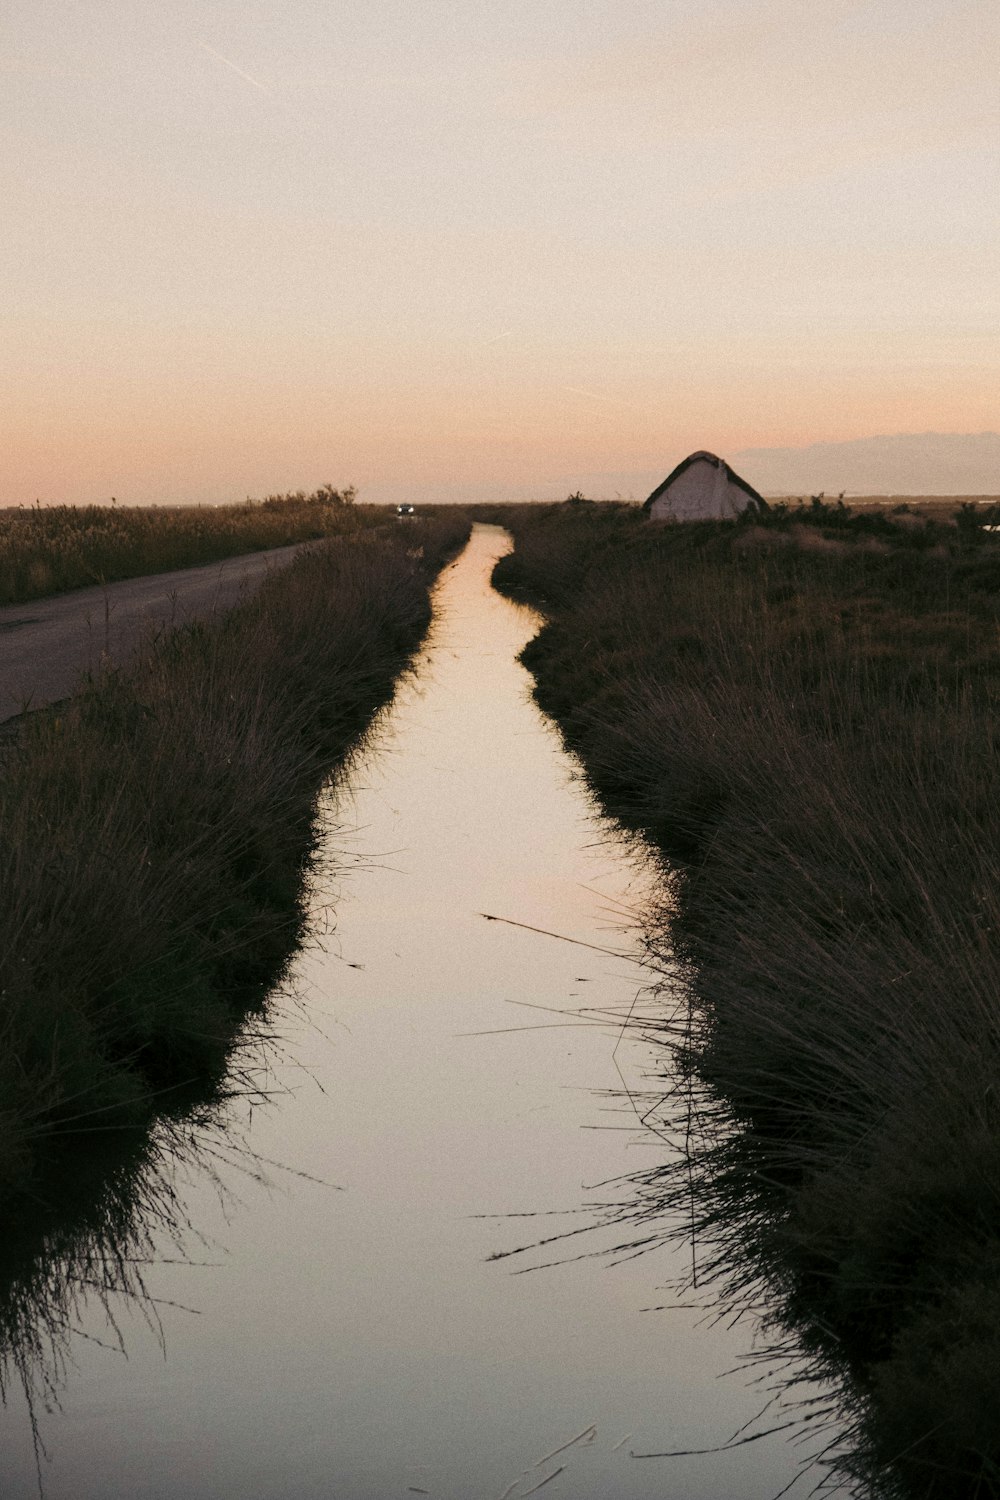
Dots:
pixel 485 249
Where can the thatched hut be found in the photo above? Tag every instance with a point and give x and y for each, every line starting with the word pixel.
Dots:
pixel 702 488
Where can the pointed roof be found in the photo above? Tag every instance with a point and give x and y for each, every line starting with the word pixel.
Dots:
pixel 719 463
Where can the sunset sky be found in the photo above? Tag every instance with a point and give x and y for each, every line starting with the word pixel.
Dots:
pixel 489 248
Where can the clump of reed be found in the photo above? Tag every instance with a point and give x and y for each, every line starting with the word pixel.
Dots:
pixel 808 723
pixel 155 833
pixel 47 550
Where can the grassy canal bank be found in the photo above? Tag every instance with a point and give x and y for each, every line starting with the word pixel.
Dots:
pixel 59 547
pixel 155 834
pixel 801 711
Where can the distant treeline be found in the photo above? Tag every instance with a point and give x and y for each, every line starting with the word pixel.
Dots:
pixel 801 710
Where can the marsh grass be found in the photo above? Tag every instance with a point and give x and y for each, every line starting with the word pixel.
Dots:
pixel 155 832
pixel 52 549
pixel 804 713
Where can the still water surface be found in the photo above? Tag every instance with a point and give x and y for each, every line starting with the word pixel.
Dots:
pixel 358 1342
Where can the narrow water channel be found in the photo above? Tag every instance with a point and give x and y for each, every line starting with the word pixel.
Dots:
pixel 357 1341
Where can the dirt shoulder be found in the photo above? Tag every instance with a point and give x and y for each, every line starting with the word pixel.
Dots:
pixel 47 645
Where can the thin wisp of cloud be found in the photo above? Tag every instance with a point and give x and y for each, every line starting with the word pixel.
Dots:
pixel 235 67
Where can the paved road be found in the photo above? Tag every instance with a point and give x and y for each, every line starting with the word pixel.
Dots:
pixel 47 644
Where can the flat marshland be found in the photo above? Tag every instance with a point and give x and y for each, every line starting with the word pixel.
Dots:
pixel 154 834
pixel 931 507
pixel 47 550
pixel 801 711
pixel 981 510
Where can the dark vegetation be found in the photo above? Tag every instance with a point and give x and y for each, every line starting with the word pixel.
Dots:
pixel 49 550
pixel 98 1219
pixel 801 711
pixel 155 833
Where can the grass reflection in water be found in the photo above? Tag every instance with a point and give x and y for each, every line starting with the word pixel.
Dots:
pixel 75 1264
pixel 710 1194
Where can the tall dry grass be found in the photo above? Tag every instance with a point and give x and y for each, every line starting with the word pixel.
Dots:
pixel 804 712
pixel 154 836
pixel 47 551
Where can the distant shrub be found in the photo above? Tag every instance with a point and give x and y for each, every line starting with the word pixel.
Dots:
pixel 325 495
